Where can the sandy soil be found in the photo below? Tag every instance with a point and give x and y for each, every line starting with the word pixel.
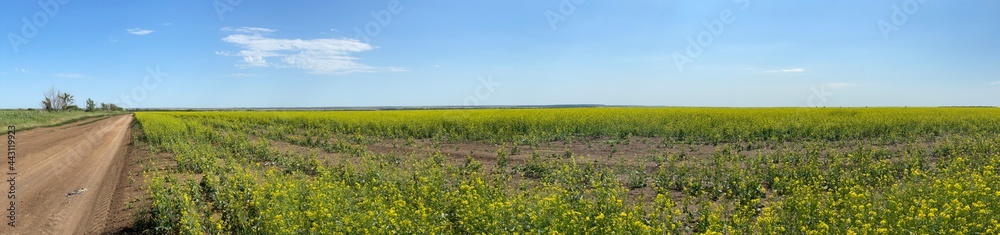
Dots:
pixel 67 176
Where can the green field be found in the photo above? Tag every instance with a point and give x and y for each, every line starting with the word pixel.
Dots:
pixel 25 119
pixel 573 171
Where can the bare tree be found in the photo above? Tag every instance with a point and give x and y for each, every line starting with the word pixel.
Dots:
pixel 53 100
pixel 56 100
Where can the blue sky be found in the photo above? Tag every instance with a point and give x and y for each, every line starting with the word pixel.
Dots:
pixel 665 53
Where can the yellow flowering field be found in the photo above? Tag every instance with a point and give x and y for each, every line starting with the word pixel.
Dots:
pixel 658 171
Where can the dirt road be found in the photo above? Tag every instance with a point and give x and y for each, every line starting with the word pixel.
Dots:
pixel 67 175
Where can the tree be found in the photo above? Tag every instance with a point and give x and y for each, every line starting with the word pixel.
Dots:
pixel 52 101
pixel 67 101
pixel 56 100
pixel 111 107
pixel 90 105
pixel 47 104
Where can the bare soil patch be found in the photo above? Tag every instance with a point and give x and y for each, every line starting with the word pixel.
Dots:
pixel 53 167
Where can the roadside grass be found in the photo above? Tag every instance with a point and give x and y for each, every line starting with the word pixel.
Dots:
pixel 27 120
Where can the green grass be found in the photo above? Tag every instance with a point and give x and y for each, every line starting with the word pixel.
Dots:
pixel 26 120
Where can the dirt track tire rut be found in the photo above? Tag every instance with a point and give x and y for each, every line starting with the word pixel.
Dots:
pixel 52 162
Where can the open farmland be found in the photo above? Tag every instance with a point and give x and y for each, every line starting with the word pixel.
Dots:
pixel 233 117
pixel 591 170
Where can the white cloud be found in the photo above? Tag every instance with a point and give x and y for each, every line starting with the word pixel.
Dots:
pixel 250 30
pixel 398 69
pixel 997 83
pixel 139 31
pixel 69 75
pixel 792 70
pixel 838 85
pixel 167 24
pixel 322 56
pixel 22 70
